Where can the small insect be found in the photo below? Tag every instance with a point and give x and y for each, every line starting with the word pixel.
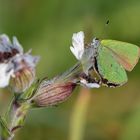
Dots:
pixel 107 22
pixel 112 59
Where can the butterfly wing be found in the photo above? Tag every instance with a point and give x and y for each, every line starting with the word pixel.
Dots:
pixel 125 53
pixel 111 72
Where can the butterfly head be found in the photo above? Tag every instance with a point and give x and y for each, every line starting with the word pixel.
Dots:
pixel 95 43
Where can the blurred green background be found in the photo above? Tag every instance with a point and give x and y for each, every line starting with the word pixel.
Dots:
pixel 47 26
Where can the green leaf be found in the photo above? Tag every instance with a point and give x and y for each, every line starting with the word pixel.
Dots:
pixel 4 131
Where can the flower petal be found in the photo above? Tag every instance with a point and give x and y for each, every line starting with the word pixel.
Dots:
pixel 78 44
pixel 5 74
pixel 4 39
pixel 7 49
pixel 75 52
pixel 17 45
pixel 89 85
pixel 5 43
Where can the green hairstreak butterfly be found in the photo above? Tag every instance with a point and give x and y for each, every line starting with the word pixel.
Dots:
pixel 112 58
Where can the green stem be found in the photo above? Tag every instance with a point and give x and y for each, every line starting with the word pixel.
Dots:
pixel 18 116
pixel 15 120
pixel 78 118
pixel 72 74
pixel 8 111
pixel 4 131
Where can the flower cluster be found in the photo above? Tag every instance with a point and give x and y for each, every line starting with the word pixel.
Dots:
pixel 17 69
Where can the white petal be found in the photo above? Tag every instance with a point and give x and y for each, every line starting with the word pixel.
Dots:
pixel 75 52
pixel 5 75
pixel 93 85
pixel 78 44
pixel 4 43
pixel 89 85
pixel 78 37
pixel 17 45
pixel 78 40
pixel 5 39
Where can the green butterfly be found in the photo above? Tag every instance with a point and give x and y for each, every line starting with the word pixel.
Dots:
pixel 108 58
pixel 112 58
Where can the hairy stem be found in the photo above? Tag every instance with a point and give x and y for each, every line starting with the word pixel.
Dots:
pixel 15 120
pixel 18 115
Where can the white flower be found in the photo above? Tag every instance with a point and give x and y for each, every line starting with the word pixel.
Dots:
pixel 89 85
pixel 78 44
pixel 17 69
pixel 5 74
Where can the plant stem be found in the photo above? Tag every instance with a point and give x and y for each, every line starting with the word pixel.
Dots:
pixel 15 120
pixel 18 116
pixel 78 118
pixel 4 131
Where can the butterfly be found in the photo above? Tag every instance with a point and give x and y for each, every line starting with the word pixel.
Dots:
pixel 108 58
pixel 112 58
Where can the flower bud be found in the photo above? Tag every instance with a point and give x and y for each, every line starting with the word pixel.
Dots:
pixel 24 72
pixel 57 90
pixel 53 92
